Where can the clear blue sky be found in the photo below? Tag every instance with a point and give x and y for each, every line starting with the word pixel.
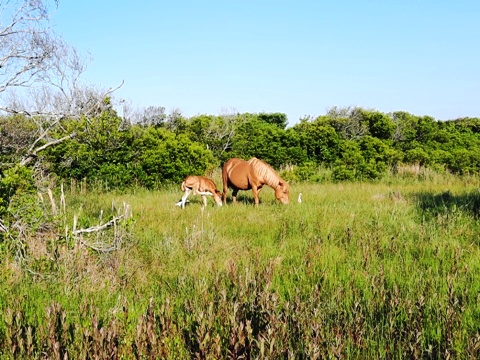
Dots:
pixel 296 57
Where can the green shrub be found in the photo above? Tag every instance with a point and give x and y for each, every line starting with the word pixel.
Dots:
pixel 342 173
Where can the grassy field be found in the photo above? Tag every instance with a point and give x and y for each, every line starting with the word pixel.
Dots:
pixel 357 270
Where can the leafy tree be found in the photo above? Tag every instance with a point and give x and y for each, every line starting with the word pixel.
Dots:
pixel 319 140
pixel 295 153
pixel 119 157
pixel 373 149
pixel 176 122
pixel 216 132
pixel 100 143
pixel 465 161
pixel 440 159
pixel 380 125
pixel 262 140
pixel 417 156
pixel 165 158
pixel 405 129
pixel 467 124
pixel 17 133
pixel 278 119
pixel 20 211
pixel 198 127
pixel 343 172
pixel 444 136
pixel 426 128
pixel 347 165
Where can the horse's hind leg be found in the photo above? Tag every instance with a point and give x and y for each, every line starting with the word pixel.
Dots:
pixel 234 195
pixel 185 196
pixel 204 200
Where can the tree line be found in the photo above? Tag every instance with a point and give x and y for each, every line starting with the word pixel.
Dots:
pixel 355 143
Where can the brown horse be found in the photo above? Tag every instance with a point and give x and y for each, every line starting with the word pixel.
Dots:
pixel 200 185
pixel 252 174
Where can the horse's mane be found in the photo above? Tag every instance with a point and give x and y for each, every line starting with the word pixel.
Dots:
pixel 266 172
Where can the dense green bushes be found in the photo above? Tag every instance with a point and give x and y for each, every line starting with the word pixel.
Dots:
pixel 19 201
pixel 123 156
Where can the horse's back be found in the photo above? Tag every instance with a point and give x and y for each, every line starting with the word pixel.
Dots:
pixel 260 170
pixel 198 182
pixel 190 181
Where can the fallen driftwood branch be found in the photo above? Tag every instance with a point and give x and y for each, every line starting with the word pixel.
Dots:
pixel 108 245
pixel 103 243
pixel 98 227
pixel 99 246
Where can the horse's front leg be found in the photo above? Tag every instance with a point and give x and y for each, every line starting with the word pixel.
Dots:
pixel 224 194
pixel 256 191
pixel 204 200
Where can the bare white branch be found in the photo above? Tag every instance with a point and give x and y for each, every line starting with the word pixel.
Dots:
pixel 27 42
pixel 31 155
pixel 3 228
pixel 98 227
pixel 114 242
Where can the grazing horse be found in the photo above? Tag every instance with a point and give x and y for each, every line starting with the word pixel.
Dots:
pixel 200 185
pixel 252 174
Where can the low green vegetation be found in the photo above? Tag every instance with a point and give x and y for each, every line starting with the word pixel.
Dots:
pixel 357 270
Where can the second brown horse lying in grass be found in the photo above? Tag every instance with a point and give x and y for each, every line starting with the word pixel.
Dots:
pixel 200 185
pixel 239 174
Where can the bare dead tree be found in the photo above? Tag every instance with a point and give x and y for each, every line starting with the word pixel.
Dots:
pixel 149 116
pixel 220 132
pixel 40 74
pixel 40 85
pixel 348 121
pixel 174 120
pixel 27 43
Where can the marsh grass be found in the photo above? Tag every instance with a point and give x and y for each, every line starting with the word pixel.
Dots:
pixel 357 270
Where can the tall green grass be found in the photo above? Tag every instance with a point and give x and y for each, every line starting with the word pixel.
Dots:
pixel 357 270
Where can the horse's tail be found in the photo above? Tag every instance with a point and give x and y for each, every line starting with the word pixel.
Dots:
pixel 225 181
pixel 183 187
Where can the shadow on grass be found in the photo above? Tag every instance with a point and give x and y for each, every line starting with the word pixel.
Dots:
pixel 249 200
pixel 433 205
pixel 241 199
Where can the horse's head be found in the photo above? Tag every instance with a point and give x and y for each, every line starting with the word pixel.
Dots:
pixel 217 196
pixel 282 192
